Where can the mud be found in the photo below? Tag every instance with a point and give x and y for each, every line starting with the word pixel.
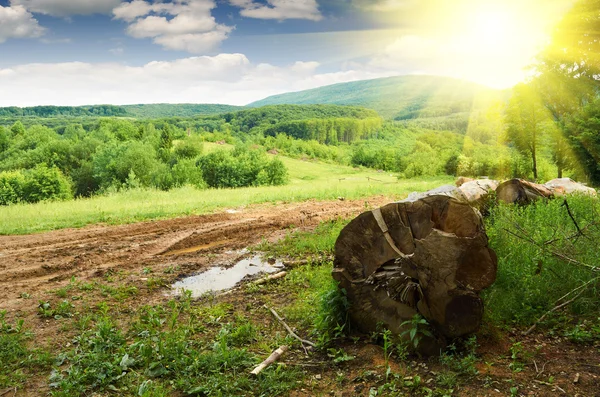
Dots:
pixel 223 278
pixel 36 264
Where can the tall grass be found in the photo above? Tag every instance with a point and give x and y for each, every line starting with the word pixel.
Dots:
pixel 309 180
pixel 531 275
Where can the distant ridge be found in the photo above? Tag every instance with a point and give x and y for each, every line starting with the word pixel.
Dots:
pixel 136 111
pixel 400 98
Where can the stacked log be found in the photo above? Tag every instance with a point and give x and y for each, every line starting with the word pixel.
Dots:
pixel 428 256
pixel 564 186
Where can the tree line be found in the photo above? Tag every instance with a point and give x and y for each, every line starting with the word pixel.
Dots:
pixel 557 110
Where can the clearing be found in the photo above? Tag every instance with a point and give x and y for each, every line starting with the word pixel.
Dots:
pixel 121 271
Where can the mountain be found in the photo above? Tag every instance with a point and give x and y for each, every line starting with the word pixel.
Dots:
pixel 177 110
pixel 399 98
pixel 136 111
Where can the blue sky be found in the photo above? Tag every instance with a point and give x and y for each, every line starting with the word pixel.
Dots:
pixel 75 52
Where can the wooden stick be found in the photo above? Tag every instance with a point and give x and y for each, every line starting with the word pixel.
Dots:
pixel 566 205
pixel 270 278
pixel 530 330
pixel 289 330
pixel 270 360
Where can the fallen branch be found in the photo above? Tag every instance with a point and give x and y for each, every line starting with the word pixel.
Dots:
pixel 270 360
pixel 289 330
pixel 553 253
pixel 310 261
pixel 566 205
pixel 530 330
pixel 541 382
pixel 270 278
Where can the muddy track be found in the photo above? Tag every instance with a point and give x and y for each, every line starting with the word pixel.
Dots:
pixel 37 263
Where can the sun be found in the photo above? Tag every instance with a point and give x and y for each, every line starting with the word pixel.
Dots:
pixel 494 45
pixel 493 26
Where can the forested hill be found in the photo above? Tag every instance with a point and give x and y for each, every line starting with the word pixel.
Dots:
pixel 400 98
pixel 135 111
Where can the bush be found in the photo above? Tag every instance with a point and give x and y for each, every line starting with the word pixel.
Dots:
pixel 114 163
pixel 11 187
pixel 274 174
pixel 190 148
pixel 43 183
pixel 185 172
pixel 241 168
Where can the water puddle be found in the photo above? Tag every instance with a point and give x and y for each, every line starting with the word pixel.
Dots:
pixel 196 248
pixel 221 278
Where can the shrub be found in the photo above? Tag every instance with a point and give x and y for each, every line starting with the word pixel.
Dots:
pixel 43 183
pixel 11 187
pixel 240 168
pixel 114 163
pixel 274 173
pixel 190 148
pixel 185 172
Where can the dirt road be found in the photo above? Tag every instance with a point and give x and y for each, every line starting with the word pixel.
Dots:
pixel 34 264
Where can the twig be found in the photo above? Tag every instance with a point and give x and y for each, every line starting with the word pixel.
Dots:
pixel 270 360
pixel 13 389
pixel 541 382
pixel 578 288
pixel 553 253
pixel 270 278
pixel 530 330
pixel 289 330
pixel 566 205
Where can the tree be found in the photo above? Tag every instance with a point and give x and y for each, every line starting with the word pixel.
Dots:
pixel 569 80
pixel 525 122
pixel 17 128
pixel 4 143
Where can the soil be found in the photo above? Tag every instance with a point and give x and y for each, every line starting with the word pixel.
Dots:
pixel 33 266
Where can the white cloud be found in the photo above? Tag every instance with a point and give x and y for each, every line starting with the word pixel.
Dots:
pixel 383 5
pixel 225 78
pixel 185 25
pixel 65 8
pixel 279 9
pixel 17 22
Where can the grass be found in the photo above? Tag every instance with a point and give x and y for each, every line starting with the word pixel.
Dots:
pixel 531 274
pixel 18 361
pixel 309 180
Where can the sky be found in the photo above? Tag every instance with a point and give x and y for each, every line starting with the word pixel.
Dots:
pixel 84 52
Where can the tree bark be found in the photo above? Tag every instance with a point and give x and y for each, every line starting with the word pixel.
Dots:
pixel 427 255
pixel 522 192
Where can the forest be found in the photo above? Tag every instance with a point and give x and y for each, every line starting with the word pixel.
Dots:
pixel 546 127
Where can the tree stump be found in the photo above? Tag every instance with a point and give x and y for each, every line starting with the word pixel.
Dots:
pixel 520 191
pixel 427 255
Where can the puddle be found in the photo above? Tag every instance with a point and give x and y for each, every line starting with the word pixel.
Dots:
pixel 220 278
pixel 196 248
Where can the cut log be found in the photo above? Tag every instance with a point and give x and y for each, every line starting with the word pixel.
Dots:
pixel 270 360
pixel 564 186
pixel 520 191
pixel 473 192
pixel 429 255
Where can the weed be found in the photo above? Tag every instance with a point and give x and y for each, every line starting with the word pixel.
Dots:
pixel 18 361
pixel 64 309
pixel 516 350
pixel 416 329
pixel 586 332
pixel 339 355
pixel 461 361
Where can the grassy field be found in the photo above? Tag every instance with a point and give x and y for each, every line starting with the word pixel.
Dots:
pixel 308 180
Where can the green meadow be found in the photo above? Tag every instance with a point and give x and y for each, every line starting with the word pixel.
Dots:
pixel 308 180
